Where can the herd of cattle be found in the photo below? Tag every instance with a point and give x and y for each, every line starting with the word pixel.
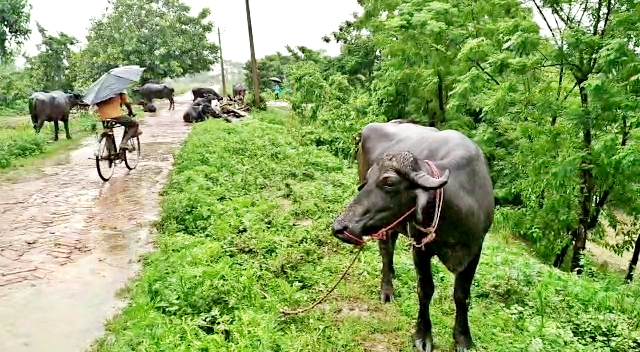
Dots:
pixel 410 176
pixel 56 106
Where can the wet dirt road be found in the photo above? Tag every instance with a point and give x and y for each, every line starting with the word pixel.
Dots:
pixel 69 241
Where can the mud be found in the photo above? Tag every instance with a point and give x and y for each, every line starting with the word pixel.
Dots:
pixel 69 241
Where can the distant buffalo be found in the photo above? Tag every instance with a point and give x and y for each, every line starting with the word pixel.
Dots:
pixel 197 112
pixel 150 91
pixel 53 107
pixel 201 92
pixel 147 106
pixel 239 90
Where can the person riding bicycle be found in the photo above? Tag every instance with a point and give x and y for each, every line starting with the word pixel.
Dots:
pixel 110 109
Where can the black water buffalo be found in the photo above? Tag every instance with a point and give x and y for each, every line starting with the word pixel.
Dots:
pixel 147 106
pixel 150 91
pixel 394 161
pixel 239 90
pixel 197 113
pixel 201 92
pixel 53 107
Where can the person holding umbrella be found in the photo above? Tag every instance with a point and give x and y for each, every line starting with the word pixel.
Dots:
pixel 108 95
pixel 110 109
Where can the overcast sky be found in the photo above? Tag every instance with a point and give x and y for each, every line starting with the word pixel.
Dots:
pixel 276 23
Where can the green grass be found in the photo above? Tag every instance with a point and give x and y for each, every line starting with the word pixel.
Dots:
pixel 244 232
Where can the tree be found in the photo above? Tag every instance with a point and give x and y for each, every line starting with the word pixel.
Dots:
pixel 634 260
pixel 358 55
pixel 49 69
pixel 157 34
pixel 14 25
pixel 274 65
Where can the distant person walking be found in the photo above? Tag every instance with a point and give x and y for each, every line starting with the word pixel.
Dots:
pixel 278 91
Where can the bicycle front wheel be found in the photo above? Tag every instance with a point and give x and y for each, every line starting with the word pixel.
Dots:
pixel 105 163
pixel 132 156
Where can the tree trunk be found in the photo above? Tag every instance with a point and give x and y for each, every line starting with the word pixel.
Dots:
pixel 560 257
pixel 586 188
pixel 441 99
pixel 634 260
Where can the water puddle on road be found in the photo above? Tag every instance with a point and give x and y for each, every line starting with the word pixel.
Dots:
pixel 69 242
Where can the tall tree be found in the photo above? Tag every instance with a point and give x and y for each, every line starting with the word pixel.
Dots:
pixel 14 25
pixel 160 35
pixel 49 69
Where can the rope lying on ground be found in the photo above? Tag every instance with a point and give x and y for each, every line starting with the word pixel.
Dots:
pixel 290 312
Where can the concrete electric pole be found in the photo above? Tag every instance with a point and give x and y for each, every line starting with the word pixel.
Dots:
pixel 224 82
pixel 254 62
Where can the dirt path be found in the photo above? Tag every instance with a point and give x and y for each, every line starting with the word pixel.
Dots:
pixel 69 241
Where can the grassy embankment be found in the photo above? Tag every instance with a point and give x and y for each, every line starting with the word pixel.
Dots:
pixel 244 232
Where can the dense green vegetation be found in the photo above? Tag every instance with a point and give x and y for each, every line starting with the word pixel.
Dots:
pixel 556 116
pixel 243 233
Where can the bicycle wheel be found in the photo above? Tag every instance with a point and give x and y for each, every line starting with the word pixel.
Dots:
pixel 132 156
pixel 105 156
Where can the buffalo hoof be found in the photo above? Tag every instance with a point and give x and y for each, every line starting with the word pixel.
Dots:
pixel 68 137
pixel 463 344
pixel 422 343
pixel 386 295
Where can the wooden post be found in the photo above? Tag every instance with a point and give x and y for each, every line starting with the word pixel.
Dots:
pixel 254 62
pixel 224 82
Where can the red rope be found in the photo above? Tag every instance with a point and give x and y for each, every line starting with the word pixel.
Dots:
pixel 430 231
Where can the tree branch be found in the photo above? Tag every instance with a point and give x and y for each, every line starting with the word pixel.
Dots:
pixel 546 21
pixel 486 73
pixel 606 19
pixel 605 194
pixel 570 91
pixel 598 17
pixel 584 11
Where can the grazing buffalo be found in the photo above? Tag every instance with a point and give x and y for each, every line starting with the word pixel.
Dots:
pixel 197 113
pixel 239 90
pixel 203 91
pixel 150 91
pixel 399 166
pixel 53 107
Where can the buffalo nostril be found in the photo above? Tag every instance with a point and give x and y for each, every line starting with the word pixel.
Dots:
pixel 339 228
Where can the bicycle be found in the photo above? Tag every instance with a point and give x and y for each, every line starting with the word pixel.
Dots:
pixel 108 151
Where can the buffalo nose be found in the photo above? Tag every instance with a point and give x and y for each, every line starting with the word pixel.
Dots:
pixel 339 227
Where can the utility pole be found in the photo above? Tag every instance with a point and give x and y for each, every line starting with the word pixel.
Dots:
pixel 254 63
pixel 224 83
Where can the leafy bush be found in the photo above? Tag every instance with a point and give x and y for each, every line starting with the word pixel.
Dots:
pixel 18 140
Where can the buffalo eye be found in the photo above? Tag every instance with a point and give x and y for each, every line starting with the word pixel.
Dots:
pixel 388 182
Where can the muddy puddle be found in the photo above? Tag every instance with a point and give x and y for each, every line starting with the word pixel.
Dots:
pixel 69 241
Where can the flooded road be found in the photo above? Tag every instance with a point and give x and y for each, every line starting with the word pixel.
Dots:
pixel 69 241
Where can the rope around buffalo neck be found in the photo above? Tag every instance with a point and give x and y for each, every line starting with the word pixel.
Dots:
pixel 431 230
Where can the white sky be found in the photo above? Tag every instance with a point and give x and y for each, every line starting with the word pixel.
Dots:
pixel 276 23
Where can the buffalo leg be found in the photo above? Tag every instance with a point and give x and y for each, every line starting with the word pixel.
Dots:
pixel 387 247
pixel 39 125
pixel 171 104
pixel 462 290
pixel 56 129
pixel 422 338
pixel 66 127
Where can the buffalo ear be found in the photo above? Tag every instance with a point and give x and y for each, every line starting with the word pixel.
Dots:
pixel 422 197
